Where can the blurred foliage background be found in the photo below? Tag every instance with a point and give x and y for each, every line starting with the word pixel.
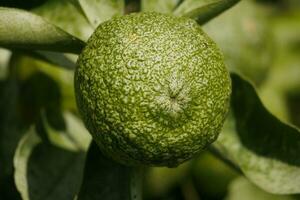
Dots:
pixel 260 40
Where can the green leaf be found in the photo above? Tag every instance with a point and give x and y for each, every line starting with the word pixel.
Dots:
pixel 4 63
pixel 65 15
pixel 35 77
pixel 204 10
pixel 241 188
pixel 264 148
pixel 107 180
pixel 98 11
pixel 54 58
pixel 25 148
pixel 10 134
pixel 20 29
pixel 166 6
pixel 74 137
pixel 56 177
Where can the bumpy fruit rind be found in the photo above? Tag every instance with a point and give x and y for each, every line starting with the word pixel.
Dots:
pixel 152 89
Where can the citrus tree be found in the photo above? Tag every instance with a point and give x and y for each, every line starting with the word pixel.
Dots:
pixel 96 94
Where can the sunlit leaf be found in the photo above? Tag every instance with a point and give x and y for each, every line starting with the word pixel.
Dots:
pixel 98 11
pixel 23 30
pixel 25 148
pixel 74 137
pixel 66 16
pixel 264 148
pixel 4 61
pixel 43 171
pixel 204 10
pixel 107 180
pixel 243 189
pixel 166 6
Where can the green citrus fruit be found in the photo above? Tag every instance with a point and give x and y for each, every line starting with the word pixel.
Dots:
pixel 152 89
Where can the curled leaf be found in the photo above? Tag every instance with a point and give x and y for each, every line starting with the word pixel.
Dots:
pixel 25 148
pixel 74 137
pixel 56 177
pixel 264 148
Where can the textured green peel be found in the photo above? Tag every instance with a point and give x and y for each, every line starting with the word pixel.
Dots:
pixel 152 89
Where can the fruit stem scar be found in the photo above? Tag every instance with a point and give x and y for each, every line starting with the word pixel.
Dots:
pixel 174 99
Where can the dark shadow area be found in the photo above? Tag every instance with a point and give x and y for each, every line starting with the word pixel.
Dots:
pixel 8 189
pixel 132 6
pixel 59 170
pixel 10 134
pixel 40 92
pixel 104 178
pixel 28 4
pixel 294 108
pixel 258 130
